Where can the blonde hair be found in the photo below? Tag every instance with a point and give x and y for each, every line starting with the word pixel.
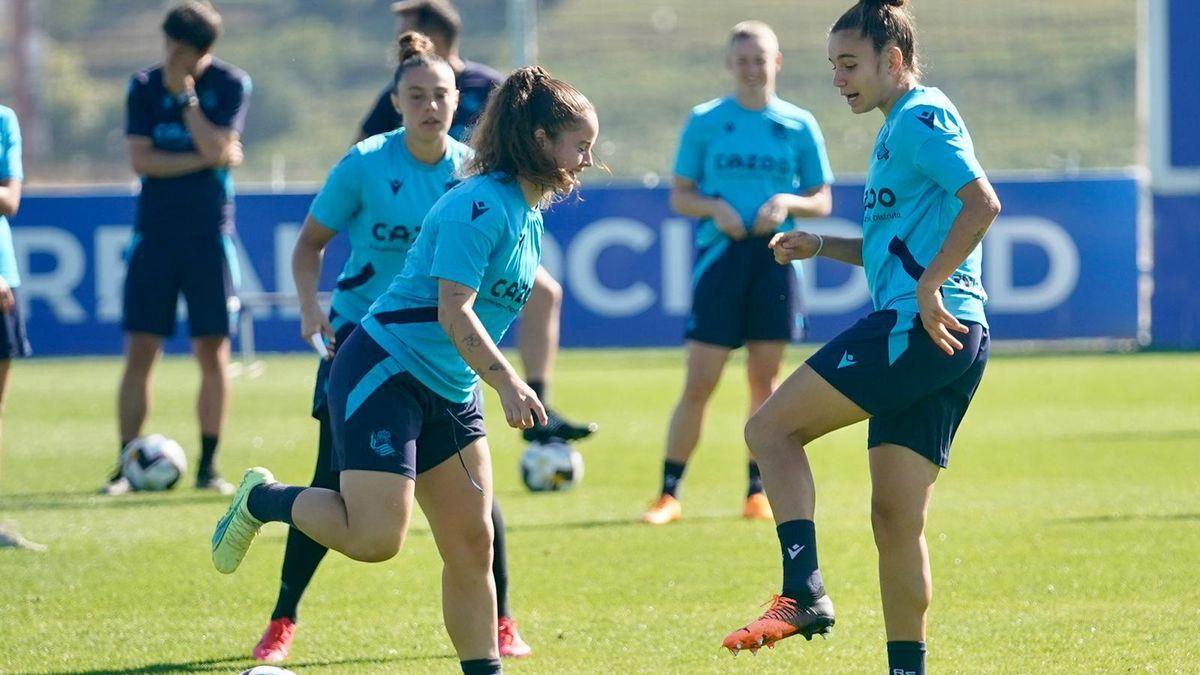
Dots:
pixel 753 29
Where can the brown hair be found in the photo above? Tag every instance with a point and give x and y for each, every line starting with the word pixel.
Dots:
pixel 432 16
pixel 884 21
pixel 504 138
pixel 414 49
pixel 194 23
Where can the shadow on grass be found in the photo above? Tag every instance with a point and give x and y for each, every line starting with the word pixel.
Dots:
pixel 240 662
pixel 68 501
pixel 1136 436
pixel 635 521
pixel 1129 518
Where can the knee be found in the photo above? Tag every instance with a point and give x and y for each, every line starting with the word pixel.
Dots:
pixel 762 435
pixel 547 291
pixel 373 548
pixel 696 392
pixel 471 553
pixel 895 525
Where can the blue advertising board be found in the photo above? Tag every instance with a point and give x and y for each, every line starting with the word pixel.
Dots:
pixel 1059 263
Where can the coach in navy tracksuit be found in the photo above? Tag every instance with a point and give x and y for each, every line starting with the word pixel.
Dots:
pixel 183 128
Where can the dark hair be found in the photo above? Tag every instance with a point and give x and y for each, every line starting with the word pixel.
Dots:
pixel 884 21
pixel 504 138
pixel 194 23
pixel 414 49
pixel 432 16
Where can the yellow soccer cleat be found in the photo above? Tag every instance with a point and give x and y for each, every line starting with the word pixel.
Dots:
pixel 237 528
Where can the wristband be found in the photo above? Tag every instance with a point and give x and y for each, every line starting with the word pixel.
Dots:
pixel 820 244
pixel 187 99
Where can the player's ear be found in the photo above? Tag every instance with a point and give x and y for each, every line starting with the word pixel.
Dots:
pixel 540 137
pixel 396 100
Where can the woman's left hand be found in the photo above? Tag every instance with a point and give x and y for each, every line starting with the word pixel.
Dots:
pixel 770 216
pixel 937 321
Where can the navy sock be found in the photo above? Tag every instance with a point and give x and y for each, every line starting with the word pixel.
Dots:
pixel 302 555
pixel 539 388
pixel 672 476
pixel 801 577
pixel 755 485
pixel 208 453
pixel 499 561
pixel 481 667
pixel 272 502
pixel 906 658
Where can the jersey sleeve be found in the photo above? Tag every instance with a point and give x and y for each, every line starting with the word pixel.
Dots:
pixel 139 110
pixel 383 117
pixel 812 161
pixel 10 148
pixel 233 105
pixel 945 154
pixel 464 245
pixel 689 161
pixel 341 196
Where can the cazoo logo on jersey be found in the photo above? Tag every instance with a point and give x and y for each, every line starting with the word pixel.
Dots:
pixel 883 197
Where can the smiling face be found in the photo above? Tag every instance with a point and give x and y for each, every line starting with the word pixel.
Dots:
pixel 572 149
pixel 865 78
pixel 426 98
pixel 754 61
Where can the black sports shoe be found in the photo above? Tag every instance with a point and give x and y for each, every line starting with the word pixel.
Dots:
pixel 558 428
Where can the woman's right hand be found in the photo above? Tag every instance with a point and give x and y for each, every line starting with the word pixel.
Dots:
pixel 314 321
pixel 794 245
pixel 728 221
pixel 522 409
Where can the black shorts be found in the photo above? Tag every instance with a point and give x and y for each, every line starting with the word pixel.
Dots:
pixel 203 269
pixel 321 390
pixel 740 294
pixel 915 393
pixel 384 419
pixel 14 343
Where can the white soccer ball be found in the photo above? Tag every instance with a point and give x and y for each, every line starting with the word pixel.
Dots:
pixel 153 462
pixel 267 670
pixel 549 467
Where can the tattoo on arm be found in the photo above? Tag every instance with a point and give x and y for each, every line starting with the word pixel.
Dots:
pixel 472 341
pixel 496 367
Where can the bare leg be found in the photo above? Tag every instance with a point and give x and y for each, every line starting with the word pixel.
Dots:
pixel 4 365
pixel 367 520
pixel 212 353
pixel 461 520
pixel 704 365
pixel 901 489
pixel 537 336
pixel 142 351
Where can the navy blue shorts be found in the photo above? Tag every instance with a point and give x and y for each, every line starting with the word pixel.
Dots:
pixel 203 269
pixel 384 419
pixel 915 393
pixel 740 294
pixel 321 390
pixel 14 343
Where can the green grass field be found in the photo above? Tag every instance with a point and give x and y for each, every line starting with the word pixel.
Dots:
pixel 1064 537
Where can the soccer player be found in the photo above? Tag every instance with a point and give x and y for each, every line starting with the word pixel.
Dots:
pixel 404 397
pixel 748 166
pixel 378 194
pixel 13 343
pixel 184 127
pixel 911 366
pixel 538 331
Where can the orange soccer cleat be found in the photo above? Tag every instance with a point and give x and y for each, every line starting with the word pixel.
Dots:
pixel 511 644
pixel 783 619
pixel 665 509
pixel 757 507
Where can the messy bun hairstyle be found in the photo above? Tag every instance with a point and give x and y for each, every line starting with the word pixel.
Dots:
pixel 884 21
pixel 414 49
pixel 504 141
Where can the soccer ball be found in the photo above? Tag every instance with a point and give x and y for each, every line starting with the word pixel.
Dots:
pixel 267 670
pixel 549 467
pixel 153 462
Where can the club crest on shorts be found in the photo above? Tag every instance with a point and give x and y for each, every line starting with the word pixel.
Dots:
pixel 381 443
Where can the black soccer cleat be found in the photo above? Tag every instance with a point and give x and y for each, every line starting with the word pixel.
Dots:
pixel 558 428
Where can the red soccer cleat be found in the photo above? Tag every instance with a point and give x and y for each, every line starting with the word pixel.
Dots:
pixel 276 641
pixel 783 619
pixel 511 644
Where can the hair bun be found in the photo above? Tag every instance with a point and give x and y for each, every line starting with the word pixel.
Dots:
pixel 411 43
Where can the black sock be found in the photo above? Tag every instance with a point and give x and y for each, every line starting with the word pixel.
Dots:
pixel 539 388
pixel 755 485
pixel 801 577
pixel 672 476
pixel 272 502
pixel 208 452
pixel 906 658
pixel 302 555
pixel 499 561
pixel 481 667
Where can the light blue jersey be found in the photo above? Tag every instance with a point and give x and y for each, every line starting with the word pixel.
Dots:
pixel 923 157
pixel 10 168
pixel 481 234
pixel 747 156
pixel 379 194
